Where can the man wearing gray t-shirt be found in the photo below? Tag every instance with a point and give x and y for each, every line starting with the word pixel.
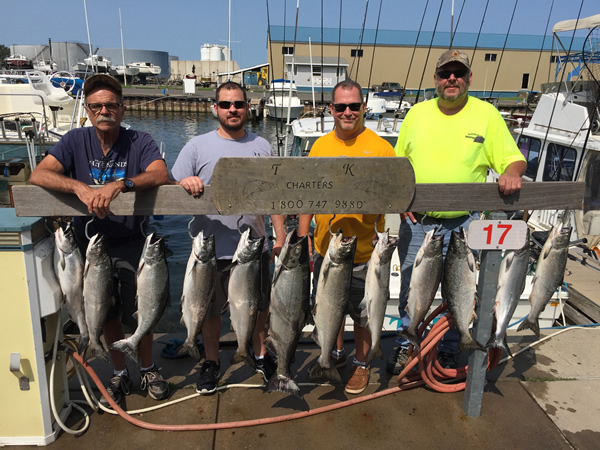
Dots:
pixel 192 170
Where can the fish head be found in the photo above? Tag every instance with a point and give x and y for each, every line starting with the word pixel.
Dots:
pixel 341 249
pixel 204 248
pixel 294 251
pixel 433 244
pixel 560 235
pixel 385 245
pixel 248 249
pixel 154 249
pixel 65 239
pixel 458 242
pixel 96 249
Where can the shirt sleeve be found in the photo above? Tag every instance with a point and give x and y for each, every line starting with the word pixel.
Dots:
pixel 503 150
pixel 63 152
pixel 185 165
pixel 400 148
pixel 149 151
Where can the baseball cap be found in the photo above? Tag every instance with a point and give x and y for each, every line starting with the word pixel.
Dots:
pixel 102 80
pixel 453 55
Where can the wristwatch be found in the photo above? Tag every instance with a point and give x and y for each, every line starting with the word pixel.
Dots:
pixel 129 185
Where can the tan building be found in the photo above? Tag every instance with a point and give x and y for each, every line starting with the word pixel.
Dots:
pixel 505 73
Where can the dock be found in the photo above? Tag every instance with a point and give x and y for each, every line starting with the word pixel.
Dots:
pixel 547 397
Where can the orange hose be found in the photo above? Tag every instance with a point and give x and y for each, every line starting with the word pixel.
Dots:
pixel 238 424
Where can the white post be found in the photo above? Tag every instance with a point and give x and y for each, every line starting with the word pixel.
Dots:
pixel 122 50
pixel 312 81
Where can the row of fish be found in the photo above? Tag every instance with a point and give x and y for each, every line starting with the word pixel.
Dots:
pixel 459 284
pixel 88 290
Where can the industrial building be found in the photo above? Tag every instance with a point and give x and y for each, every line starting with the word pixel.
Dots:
pixel 495 72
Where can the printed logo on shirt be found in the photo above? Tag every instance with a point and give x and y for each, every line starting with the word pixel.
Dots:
pixel 478 139
pixel 106 170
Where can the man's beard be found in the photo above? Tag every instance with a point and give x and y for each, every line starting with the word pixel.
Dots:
pixel 462 90
pixel 237 127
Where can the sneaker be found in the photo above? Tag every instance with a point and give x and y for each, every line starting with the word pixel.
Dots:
pixel 359 379
pixel 267 366
pixel 397 361
pixel 156 385
pixel 208 377
pixel 118 386
pixel 340 361
pixel 447 360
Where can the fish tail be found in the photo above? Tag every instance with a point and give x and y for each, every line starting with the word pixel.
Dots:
pixel 412 338
pixel 84 341
pixel 125 346
pixel 374 353
pixel 283 383
pixel 504 346
pixel 530 324
pixel 317 372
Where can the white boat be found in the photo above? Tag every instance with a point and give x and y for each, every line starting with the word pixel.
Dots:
pixel 126 70
pixel 146 68
pixel 45 65
pixel 394 102
pixel 280 101
pixel 97 63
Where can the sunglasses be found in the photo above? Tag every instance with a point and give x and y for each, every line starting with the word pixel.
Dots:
pixel 97 107
pixel 341 107
pixel 458 73
pixel 239 104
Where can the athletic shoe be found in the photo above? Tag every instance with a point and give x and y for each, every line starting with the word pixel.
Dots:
pixel 397 361
pixel 208 377
pixel 266 366
pixel 447 360
pixel 118 386
pixel 153 381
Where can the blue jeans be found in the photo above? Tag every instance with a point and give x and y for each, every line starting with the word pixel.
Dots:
pixel 410 239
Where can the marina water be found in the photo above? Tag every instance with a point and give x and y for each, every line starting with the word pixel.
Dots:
pixel 174 130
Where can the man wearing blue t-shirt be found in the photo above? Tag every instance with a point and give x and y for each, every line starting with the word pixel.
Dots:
pixel 194 168
pixel 118 160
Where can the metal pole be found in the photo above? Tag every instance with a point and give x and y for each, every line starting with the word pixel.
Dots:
pixel 482 330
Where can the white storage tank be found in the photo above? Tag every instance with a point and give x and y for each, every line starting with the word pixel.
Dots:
pixel 216 53
pixel 226 54
pixel 205 52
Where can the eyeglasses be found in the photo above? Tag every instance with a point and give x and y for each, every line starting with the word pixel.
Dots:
pixel 458 73
pixel 239 104
pixel 97 107
pixel 341 107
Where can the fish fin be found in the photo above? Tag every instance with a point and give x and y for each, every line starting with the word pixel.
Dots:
pixel 315 336
pixel 84 342
pixel 230 266
pixel 547 250
pixel 86 267
pixel 418 259
pixel 505 347
pixel 282 383
pixel 509 260
pixel 377 353
pixel 270 345
pixel 531 325
pixel 124 346
pixel 316 372
pixel 413 339
pixel 189 348
pixel 469 343
pixel 225 308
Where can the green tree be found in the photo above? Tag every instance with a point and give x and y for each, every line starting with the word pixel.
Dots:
pixel 4 53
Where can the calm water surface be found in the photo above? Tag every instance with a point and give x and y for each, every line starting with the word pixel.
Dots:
pixel 174 130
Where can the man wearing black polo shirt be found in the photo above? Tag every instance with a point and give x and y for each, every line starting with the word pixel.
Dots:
pixel 118 160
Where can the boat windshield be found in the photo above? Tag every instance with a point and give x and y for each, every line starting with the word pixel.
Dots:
pixel 591 198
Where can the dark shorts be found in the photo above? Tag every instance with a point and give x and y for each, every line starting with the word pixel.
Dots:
pixel 222 286
pixel 357 289
pixel 125 254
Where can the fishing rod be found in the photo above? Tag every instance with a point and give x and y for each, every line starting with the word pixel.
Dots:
pixel 322 72
pixel 289 108
pixel 362 33
pixel 504 47
pixel 373 56
pixel 337 75
pixel 480 27
pixel 416 42
pixel 278 136
pixel 429 50
pixel 538 65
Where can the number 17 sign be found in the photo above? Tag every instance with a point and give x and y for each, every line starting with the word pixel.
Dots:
pixel 497 234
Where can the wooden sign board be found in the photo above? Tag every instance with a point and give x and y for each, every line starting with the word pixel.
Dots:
pixel 301 185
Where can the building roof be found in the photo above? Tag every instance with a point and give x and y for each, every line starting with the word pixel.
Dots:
pixel 408 38
pixel 316 60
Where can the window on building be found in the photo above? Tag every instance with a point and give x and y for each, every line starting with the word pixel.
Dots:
pixel 525 81
pixel 316 71
pixel 491 56
pixel 287 50
pixel 355 52
pixel 553 59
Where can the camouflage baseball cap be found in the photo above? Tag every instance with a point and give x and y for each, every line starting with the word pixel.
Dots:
pixel 453 55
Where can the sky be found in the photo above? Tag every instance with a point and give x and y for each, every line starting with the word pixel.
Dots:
pixel 181 27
